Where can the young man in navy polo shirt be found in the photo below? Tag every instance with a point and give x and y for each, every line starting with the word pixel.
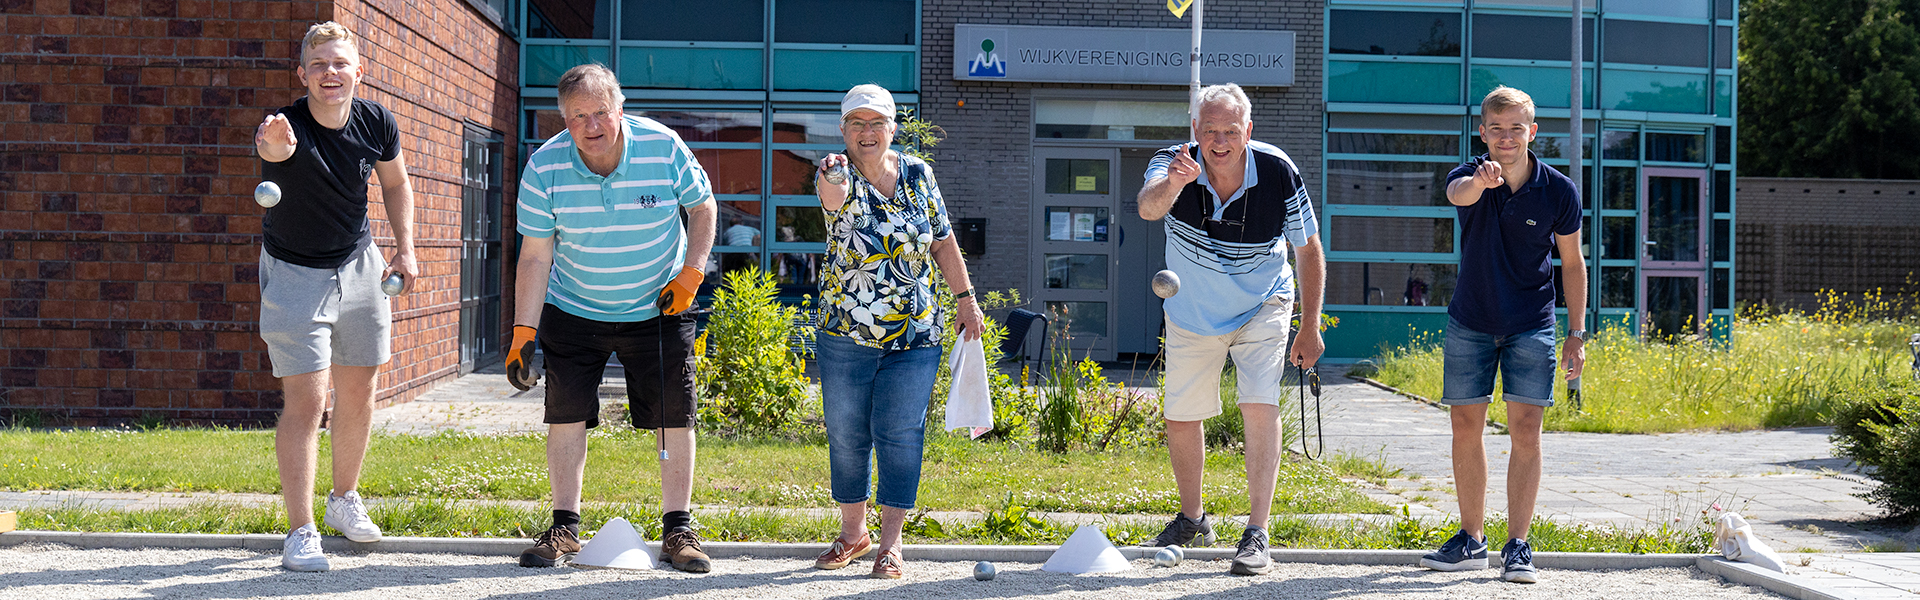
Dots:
pixel 1514 213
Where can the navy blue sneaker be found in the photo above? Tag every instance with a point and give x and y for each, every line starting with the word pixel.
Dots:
pixel 1461 552
pixel 1518 556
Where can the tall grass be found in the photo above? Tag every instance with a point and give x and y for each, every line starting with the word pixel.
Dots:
pixel 1776 370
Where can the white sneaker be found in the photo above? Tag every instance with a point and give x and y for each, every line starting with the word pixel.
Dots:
pixel 348 515
pixel 301 551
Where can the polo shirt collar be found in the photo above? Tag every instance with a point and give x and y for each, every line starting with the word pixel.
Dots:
pixel 1539 177
pixel 626 149
pixel 1252 178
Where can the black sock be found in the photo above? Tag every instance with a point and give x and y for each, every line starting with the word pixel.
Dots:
pixel 676 519
pixel 566 518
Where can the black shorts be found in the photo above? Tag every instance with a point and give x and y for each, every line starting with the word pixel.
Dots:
pixel 577 349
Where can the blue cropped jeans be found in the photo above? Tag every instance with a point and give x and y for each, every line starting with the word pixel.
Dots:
pixel 875 404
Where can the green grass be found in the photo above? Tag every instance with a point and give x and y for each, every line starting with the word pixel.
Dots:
pixel 1007 525
pixel 958 474
pixel 1779 371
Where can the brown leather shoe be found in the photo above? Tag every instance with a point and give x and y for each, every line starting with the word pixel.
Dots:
pixel 681 548
pixel 888 565
pixel 551 548
pixel 841 553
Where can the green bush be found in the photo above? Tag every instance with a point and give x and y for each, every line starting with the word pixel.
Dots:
pixel 1885 434
pixel 751 380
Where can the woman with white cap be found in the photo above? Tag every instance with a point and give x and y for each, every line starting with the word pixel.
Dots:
pixel 879 335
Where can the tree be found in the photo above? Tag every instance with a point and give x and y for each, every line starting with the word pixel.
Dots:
pixel 1830 88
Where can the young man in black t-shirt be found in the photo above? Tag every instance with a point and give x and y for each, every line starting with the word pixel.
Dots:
pixel 322 312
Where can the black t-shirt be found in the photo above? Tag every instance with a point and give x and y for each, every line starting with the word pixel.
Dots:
pixel 321 221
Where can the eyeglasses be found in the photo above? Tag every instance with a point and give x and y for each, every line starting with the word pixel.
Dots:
pixel 865 126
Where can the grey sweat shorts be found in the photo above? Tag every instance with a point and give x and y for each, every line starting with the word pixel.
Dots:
pixel 312 318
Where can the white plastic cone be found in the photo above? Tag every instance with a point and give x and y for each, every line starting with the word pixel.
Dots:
pixel 1737 542
pixel 1087 551
pixel 616 546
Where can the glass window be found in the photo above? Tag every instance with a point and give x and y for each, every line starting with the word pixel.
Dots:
pixel 1673 219
pixel 1076 224
pixel 1722 191
pixel 1391 234
pixel 836 70
pixel 1677 147
pixel 1723 145
pixel 702 126
pixel 1722 239
pixel 543 124
pixel 545 64
pixel 1551 146
pixel 1722 289
pixel 739 223
pixel 845 21
pixel 704 21
pixel 1077 319
pixel 1648 43
pixel 1620 145
pixel 1654 91
pixel 1723 47
pixel 1415 83
pixel 1394 33
pixel 569 19
pixel 1722 96
pixel 1394 143
pixel 1617 289
pixel 1390 183
pixel 1527 38
pixel 719 264
pixel 1618 241
pixel 1111 120
pixel 797 269
pixel 731 171
pixel 799 224
pixel 1547 85
pixel 1077 176
pixel 1391 284
pixel 692 68
pixel 1688 9
pixel 1673 307
pixel 1620 187
pixel 793 171
pixel 1436 123
pixel 1077 271
pixel 806 128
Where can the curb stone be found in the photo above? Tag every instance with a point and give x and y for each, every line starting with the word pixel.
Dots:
pixel 1779 583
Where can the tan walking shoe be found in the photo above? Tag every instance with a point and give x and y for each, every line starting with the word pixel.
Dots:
pixel 841 553
pixel 681 548
pixel 888 565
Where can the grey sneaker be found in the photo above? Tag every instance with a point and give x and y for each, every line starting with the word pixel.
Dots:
pixel 1252 558
pixel 1461 552
pixel 301 551
pixel 1518 555
pixel 1184 532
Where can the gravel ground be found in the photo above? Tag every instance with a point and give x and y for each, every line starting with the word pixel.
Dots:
pixel 56 572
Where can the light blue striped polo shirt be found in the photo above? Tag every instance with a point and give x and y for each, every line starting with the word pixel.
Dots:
pixel 620 237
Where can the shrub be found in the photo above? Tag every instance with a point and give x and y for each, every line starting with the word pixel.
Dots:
pixel 750 378
pixel 1885 434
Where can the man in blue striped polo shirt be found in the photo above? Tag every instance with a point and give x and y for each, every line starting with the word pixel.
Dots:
pixel 608 265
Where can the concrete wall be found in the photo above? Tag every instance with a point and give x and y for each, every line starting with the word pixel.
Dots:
pixel 129 243
pixel 1797 237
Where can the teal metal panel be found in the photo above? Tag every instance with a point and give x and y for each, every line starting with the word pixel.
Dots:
pixel 1654 91
pixel 1393 82
pixel 1548 85
pixel 545 64
pixel 839 70
pixel 1369 333
pixel 692 68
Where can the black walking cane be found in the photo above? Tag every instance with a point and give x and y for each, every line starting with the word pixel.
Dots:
pixel 1310 380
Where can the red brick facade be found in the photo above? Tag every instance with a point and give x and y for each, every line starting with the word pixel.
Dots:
pixel 128 235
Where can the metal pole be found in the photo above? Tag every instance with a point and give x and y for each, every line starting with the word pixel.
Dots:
pixel 1193 58
pixel 1575 125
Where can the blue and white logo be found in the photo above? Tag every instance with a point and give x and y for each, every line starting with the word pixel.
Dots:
pixel 987 63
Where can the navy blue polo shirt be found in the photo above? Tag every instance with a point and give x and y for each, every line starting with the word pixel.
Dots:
pixel 1506 239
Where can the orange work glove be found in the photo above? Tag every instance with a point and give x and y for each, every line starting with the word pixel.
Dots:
pixel 520 358
pixel 678 297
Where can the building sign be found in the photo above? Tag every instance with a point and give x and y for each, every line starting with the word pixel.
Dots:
pixel 1113 55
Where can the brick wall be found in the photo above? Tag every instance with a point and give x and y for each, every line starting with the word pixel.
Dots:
pixel 986 163
pixel 128 238
pixel 1796 237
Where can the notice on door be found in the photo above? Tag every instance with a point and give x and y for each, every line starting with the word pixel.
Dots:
pixel 1084 183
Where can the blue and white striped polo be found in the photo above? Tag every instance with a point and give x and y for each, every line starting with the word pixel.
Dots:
pixel 620 237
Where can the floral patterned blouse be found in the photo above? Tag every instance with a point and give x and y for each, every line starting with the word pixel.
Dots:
pixel 877 286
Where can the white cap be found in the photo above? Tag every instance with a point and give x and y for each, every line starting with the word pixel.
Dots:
pixel 870 97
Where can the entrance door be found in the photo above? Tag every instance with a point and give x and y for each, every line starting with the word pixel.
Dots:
pixel 1075 204
pixel 1674 261
pixel 1141 250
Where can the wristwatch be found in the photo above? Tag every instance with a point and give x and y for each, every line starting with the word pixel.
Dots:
pixel 965 294
pixel 1580 334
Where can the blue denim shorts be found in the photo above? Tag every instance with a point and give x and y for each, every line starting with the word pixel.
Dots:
pixel 1527 363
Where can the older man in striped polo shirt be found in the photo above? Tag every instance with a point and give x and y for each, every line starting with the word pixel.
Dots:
pixel 608 265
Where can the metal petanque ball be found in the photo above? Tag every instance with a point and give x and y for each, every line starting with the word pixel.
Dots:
pixel 837 174
pixel 1169 556
pixel 983 571
pixel 267 193
pixel 393 285
pixel 1166 284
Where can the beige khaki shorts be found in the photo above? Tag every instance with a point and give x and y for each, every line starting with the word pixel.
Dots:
pixel 1194 361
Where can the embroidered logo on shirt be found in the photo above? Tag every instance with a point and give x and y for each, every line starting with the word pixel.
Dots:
pixel 650 201
pixel 1530 222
